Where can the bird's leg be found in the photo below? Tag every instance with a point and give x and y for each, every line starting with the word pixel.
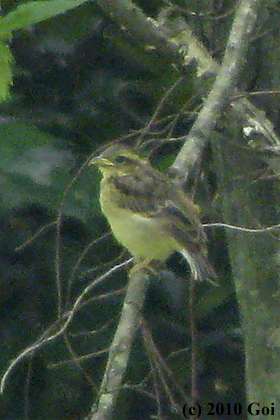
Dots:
pixel 152 265
pixel 140 264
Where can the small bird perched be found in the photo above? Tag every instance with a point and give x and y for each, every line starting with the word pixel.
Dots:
pixel 149 214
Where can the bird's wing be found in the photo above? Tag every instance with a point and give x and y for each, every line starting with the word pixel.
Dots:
pixel 154 195
pixel 184 226
pixel 141 192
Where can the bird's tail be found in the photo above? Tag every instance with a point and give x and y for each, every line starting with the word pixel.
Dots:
pixel 201 268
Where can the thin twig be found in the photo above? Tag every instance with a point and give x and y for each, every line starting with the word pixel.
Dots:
pixel 58 237
pixel 67 318
pixel 243 229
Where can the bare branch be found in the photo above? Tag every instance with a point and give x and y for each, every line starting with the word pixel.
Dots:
pixel 121 345
pixel 167 37
pixel 59 327
pixel 223 87
pixel 145 30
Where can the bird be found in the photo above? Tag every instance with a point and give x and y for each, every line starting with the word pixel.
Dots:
pixel 149 214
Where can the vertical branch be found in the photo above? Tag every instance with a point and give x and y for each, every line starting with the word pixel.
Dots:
pixel 121 346
pixel 218 98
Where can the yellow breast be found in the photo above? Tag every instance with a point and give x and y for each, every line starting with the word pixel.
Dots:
pixel 142 236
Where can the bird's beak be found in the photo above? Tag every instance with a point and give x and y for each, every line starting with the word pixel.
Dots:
pixel 100 161
pixel 94 160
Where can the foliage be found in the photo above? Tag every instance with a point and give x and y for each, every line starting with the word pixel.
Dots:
pixel 24 15
pixel 79 82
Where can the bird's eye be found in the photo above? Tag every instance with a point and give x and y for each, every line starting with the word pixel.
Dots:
pixel 122 159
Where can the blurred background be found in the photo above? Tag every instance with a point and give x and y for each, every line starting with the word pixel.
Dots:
pixel 79 82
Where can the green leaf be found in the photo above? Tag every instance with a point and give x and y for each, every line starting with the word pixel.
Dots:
pixel 35 12
pixel 6 75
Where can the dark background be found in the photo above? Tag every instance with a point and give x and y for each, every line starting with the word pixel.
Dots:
pixel 80 82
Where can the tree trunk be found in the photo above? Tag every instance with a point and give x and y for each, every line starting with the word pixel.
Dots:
pixel 249 200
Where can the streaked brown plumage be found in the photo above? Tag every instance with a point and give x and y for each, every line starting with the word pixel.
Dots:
pixel 148 213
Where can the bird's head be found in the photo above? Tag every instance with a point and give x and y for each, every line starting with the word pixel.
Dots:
pixel 119 160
